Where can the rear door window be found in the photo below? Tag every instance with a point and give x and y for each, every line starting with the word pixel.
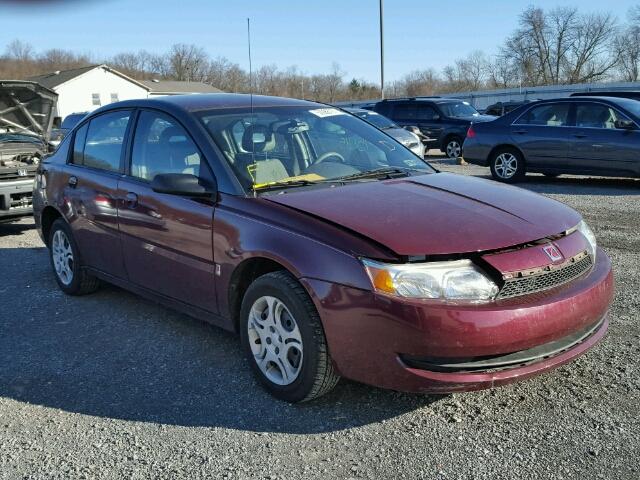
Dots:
pixel 426 113
pixel 105 139
pixel 547 115
pixel 405 111
pixel 161 145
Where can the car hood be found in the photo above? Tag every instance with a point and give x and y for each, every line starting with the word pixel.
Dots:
pixel 26 107
pixel 435 214
pixel 401 135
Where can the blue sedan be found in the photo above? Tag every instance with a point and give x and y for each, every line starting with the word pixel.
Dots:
pixel 576 135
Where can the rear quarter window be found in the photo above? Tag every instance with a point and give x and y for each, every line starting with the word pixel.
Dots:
pixel 78 145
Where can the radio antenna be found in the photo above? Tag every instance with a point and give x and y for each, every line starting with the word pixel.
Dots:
pixel 250 66
pixel 252 125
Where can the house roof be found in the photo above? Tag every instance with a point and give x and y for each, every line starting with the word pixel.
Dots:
pixel 54 79
pixel 176 87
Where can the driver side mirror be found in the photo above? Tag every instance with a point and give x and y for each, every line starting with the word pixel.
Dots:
pixel 623 124
pixel 182 184
pixel 436 117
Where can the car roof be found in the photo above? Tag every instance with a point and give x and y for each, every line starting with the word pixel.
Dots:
pixel 202 102
pixel 617 100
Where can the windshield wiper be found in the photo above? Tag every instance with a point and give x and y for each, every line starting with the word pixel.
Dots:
pixel 386 172
pixel 285 184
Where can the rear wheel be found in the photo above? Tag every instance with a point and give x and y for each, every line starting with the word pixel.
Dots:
pixel 65 260
pixel 453 147
pixel 283 338
pixel 507 165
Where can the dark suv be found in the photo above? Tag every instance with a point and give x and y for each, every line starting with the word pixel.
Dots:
pixel 445 120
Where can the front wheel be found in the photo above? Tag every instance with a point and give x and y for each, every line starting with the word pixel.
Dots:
pixel 453 148
pixel 507 165
pixel 284 340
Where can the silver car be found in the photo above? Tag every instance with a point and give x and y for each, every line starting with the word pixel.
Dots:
pixel 405 137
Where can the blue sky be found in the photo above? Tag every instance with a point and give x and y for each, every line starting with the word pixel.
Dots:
pixel 306 33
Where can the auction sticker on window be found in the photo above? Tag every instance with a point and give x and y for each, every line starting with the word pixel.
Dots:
pixel 326 112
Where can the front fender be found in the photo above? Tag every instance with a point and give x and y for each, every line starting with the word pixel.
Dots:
pixel 239 237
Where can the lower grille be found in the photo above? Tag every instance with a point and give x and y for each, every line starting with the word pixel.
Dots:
pixel 546 279
pixel 506 361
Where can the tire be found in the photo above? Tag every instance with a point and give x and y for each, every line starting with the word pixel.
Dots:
pixel 302 370
pixel 507 165
pixel 453 147
pixel 65 261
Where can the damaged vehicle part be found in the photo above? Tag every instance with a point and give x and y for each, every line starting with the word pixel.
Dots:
pixel 26 114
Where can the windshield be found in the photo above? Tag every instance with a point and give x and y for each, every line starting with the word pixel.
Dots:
pixel 376 119
pixel 458 109
pixel 304 145
pixel 633 106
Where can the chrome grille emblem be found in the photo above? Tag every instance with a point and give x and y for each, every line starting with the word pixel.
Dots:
pixel 552 252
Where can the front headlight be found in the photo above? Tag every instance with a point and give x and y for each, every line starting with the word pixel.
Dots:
pixel 584 229
pixel 456 280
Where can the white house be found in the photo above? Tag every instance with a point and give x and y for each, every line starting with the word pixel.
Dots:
pixel 85 89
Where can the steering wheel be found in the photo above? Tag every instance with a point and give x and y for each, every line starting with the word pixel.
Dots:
pixel 325 156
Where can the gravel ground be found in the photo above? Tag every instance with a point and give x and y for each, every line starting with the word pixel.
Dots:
pixel 113 386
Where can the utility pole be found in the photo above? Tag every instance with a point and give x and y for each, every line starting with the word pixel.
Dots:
pixel 381 50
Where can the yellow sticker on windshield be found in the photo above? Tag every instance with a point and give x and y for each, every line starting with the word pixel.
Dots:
pixel 312 177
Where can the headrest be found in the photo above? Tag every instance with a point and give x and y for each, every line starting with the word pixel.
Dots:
pixel 258 139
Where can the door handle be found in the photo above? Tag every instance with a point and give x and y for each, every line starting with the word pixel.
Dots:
pixel 131 199
pixel 580 135
pixel 521 132
pixel 73 181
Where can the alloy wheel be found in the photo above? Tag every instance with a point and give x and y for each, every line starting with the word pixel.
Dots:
pixel 453 149
pixel 506 165
pixel 62 255
pixel 275 340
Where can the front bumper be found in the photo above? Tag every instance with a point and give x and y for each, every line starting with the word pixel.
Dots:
pixel 16 199
pixel 369 335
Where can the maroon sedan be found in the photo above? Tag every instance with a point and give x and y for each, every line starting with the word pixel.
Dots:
pixel 329 247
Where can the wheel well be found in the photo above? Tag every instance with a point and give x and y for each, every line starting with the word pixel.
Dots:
pixel 242 277
pixel 504 146
pixel 48 216
pixel 448 137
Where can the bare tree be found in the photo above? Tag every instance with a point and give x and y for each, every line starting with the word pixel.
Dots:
pixel 502 73
pixel 334 81
pixel 467 73
pixel 187 62
pixel 19 50
pixel 562 46
pixel 418 82
pixel 627 48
